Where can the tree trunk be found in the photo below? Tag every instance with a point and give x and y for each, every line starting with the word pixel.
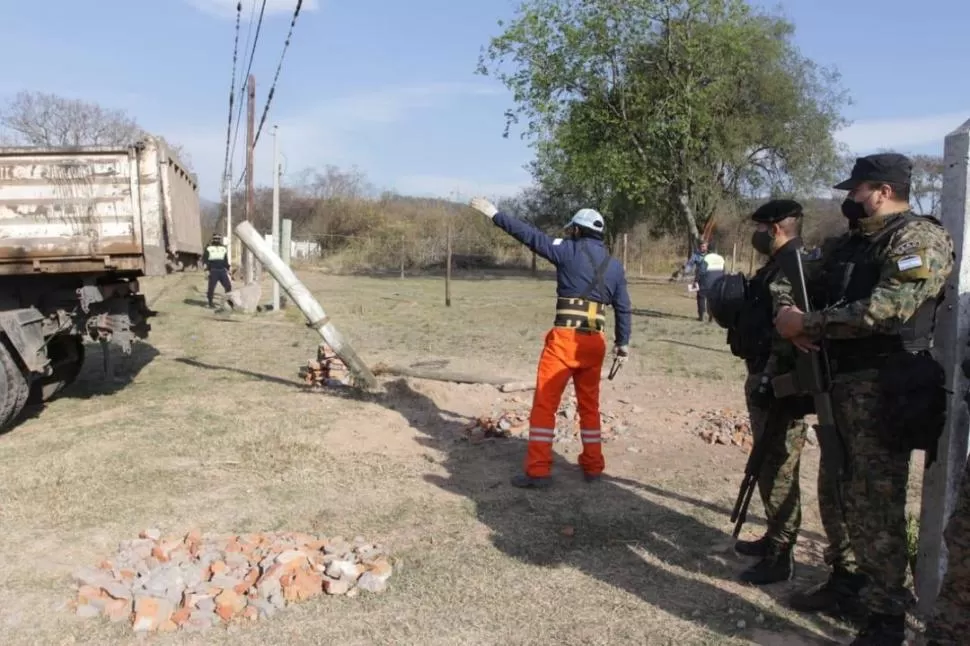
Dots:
pixel 683 201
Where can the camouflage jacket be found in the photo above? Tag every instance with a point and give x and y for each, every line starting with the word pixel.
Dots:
pixel 916 262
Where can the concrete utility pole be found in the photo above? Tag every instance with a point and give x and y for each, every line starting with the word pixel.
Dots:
pixel 229 215
pixel 276 211
pixel 941 482
pixel 311 308
pixel 247 262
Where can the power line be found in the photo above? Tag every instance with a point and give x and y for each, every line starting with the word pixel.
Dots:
pixel 249 68
pixel 279 66
pixel 242 80
pixel 232 94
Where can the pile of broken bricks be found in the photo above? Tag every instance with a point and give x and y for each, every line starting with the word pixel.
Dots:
pixel 326 370
pixel 725 426
pixel 733 428
pixel 198 581
pixel 515 424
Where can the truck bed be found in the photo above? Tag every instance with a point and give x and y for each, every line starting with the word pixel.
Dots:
pixel 95 209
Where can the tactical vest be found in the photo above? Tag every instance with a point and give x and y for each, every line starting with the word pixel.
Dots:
pixel 751 338
pixel 851 273
pixel 217 252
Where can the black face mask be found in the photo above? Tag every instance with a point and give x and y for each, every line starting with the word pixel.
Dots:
pixel 853 210
pixel 761 241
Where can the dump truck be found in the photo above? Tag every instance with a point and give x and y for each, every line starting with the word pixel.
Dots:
pixel 78 227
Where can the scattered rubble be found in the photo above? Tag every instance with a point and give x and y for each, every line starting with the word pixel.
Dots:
pixel 725 426
pixel 730 427
pixel 167 583
pixel 515 423
pixel 327 370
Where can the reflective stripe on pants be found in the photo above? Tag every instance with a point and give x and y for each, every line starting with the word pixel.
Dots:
pixel 567 354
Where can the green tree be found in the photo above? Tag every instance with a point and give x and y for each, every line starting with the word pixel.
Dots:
pixel 667 107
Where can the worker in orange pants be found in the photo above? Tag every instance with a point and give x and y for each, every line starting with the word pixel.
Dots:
pixel 588 279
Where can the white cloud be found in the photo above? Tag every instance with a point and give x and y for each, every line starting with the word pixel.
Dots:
pixel 457 188
pixel 227 8
pixel 900 133
pixel 324 133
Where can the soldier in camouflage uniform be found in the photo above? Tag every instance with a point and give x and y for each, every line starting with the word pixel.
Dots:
pixel 780 423
pixel 839 593
pixel 882 284
pixel 950 624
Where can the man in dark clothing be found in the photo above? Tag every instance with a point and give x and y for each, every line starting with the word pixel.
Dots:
pixel 587 280
pixel 216 261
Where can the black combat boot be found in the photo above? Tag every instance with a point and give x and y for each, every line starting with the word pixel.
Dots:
pixel 883 630
pixel 777 565
pixel 839 595
pixel 757 547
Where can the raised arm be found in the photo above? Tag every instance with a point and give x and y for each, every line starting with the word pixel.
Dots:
pixel 530 236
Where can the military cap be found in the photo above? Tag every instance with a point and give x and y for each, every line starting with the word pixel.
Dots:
pixel 776 211
pixel 889 168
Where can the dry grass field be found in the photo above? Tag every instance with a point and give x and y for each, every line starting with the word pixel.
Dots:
pixel 210 428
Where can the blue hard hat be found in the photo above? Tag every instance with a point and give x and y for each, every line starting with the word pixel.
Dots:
pixel 588 219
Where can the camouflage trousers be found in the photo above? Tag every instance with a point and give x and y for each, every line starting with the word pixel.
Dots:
pixel 950 624
pixel 874 494
pixel 778 482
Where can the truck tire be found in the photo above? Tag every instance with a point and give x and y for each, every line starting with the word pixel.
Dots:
pixel 14 388
pixel 67 354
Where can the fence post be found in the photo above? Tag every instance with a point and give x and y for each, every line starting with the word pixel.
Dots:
pixel 448 266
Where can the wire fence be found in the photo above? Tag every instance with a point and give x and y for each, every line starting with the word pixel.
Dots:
pixel 413 254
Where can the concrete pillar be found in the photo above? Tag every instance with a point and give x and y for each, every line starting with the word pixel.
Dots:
pixel 941 480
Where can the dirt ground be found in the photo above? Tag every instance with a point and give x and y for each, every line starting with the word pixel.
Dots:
pixel 210 428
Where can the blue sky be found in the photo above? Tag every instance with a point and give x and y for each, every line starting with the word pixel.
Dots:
pixel 389 85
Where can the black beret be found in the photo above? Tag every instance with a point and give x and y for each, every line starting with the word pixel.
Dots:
pixel 776 211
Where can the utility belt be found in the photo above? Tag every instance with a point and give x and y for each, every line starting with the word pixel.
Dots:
pixel 867 353
pixel 580 314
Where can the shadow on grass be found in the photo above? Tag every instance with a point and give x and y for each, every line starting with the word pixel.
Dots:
pixel 93 382
pixel 662 315
pixel 693 345
pixel 621 538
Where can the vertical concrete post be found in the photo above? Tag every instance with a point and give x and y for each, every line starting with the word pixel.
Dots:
pixel 286 233
pixel 941 480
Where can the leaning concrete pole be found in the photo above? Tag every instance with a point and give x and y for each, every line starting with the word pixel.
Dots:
pixel 941 482
pixel 311 309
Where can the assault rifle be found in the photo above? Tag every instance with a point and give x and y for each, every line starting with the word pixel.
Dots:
pixel 752 470
pixel 812 374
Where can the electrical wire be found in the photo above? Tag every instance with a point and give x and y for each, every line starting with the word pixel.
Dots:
pixel 249 67
pixel 232 96
pixel 279 66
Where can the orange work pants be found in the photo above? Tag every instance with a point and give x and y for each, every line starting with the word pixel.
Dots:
pixel 567 353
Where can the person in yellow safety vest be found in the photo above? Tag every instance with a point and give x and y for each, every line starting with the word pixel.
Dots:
pixel 588 279
pixel 708 267
pixel 216 261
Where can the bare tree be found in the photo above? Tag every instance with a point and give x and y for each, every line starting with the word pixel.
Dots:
pixel 40 119
pixel 927 184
